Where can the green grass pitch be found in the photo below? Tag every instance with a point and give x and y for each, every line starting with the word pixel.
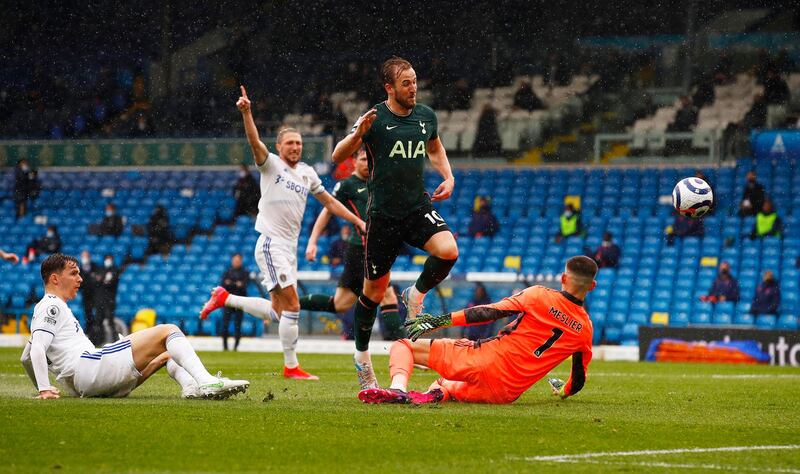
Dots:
pixel 293 426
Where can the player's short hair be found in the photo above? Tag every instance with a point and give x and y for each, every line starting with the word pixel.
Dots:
pixel 582 267
pixel 392 68
pixel 284 131
pixel 55 263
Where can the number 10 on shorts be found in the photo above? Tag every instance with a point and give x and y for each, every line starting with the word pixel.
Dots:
pixel 434 217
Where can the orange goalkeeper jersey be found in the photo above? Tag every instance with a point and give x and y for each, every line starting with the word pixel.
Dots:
pixel 551 326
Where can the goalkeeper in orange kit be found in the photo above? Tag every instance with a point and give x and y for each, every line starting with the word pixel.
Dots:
pixel 550 326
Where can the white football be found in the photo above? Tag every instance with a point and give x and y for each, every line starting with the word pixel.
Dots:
pixel 692 197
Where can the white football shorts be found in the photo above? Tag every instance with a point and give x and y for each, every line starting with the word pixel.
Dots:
pixel 108 372
pixel 277 261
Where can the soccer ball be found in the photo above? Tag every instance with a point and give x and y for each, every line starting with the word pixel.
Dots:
pixel 692 197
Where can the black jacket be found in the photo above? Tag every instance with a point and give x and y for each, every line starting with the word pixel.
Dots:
pixel 235 281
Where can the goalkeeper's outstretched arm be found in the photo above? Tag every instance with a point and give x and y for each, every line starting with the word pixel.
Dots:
pixel 425 323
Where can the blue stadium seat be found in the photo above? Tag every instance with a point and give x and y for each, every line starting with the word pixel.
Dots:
pixel 679 319
pixel 745 319
pixel 787 322
pixel 701 317
pixel 766 321
pixel 612 334
pixel 630 331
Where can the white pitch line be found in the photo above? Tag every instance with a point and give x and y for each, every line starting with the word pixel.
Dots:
pixel 694 376
pixel 651 452
pixel 715 467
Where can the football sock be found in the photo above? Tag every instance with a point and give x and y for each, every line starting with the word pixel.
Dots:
pixel 185 356
pixel 258 307
pixel 401 364
pixel 391 322
pixel 318 303
pixel 364 318
pixel 434 271
pixel 288 331
pixel 363 357
pixel 179 374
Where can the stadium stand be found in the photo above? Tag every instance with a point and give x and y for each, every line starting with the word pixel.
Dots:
pixel 652 277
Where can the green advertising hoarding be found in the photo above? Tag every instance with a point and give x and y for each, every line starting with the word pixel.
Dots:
pixel 149 152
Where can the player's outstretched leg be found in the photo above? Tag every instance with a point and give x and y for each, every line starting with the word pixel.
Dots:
pixel 150 345
pixel 189 386
pixel 316 302
pixel 444 253
pixel 287 302
pixel 258 307
pixel 364 317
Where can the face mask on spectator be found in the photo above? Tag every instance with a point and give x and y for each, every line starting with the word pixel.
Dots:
pixel 50 233
pixel 242 174
pixel 109 212
pixel 108 263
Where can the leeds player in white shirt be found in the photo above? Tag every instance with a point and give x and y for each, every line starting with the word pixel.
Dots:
pixel 285 185
pixel 59 345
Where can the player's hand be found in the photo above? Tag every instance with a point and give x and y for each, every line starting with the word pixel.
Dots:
pixel 9 257
pixel 311 252
pixel 364 123
pixel 243 104
pixel 361 227
pixel 557 387
pixel 444 190
pixel 425 323
pixel 48 394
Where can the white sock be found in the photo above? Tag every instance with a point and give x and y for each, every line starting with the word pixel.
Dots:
pixel 363 357
pixel 288 330
pixel 400 382
pixel 179 374
pixel 185 356
pixel 258 307
pixel 415 295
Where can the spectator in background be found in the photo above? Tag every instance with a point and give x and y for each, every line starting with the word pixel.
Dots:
pixel 339 247
pixel 555 73
pixel 483 222
pixel 112 223
pixel 9 257
pixel 26 186
pixel 247 193
pixel 724 288
pixel 526 99
pixel 159 232
pixel 684 226
pixel 461 95
pixel 753 196
pixel 704 93
pixel 94 327
pixel 570 224
pixel 50 243
pixel 767 222
pixel 607 254
pixel 487 137
pixel 481 331
pixel 776 91
pixel 106 281
pixel 768 296
pixel 235 281
pixel 685 117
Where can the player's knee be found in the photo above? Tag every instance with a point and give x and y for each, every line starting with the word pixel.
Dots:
pixel 449 252
pixel 169 328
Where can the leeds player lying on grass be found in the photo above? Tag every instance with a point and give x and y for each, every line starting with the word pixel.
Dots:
pixel 58 343
pixel 550 326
